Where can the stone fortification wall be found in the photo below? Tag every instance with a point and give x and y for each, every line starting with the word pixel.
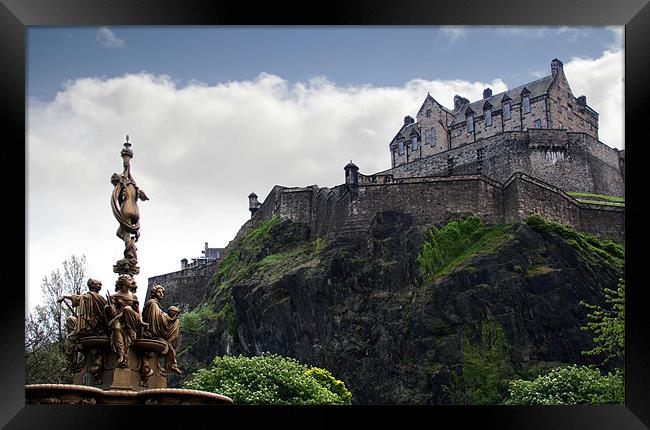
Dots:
pixel 185 288
pixel 433 200
pixel 430 200
pixel 570 161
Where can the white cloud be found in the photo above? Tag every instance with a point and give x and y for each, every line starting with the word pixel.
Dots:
pixel 602 81
pixel 451 34
pixel 618 35
pixel 108 39
pixel 201 149
pixel 569 34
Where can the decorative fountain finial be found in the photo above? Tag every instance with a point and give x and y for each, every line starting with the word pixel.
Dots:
pixel 124 203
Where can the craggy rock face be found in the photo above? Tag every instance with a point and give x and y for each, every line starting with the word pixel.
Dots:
pixel 360 307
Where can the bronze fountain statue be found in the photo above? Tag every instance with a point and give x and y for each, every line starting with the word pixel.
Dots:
pixel 113 350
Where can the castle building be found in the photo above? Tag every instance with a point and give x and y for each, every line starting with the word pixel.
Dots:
pixel 209 255
pixel 547 103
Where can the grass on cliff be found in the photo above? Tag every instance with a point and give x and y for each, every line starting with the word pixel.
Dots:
pixel 598 199
pixel 447 247
pixel 593 249
pixel 251 258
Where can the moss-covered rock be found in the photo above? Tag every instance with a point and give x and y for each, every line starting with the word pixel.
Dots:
pixel 388 311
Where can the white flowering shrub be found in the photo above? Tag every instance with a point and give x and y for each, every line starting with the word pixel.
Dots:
pixel 568 385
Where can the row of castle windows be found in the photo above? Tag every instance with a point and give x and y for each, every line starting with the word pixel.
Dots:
pixel 507 114
pixel 429 138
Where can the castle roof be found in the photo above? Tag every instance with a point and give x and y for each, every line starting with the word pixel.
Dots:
pixel 536 88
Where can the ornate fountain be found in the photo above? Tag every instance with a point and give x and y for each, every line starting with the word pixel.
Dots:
pixel 117 354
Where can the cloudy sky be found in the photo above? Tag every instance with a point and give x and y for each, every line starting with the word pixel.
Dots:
pixel 215 113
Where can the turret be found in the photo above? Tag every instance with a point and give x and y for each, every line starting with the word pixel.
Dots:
pixel 253 204
pixel 352 173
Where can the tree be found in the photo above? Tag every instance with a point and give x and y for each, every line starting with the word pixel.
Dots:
pixel 269 379
pixel 608 324
pixel 45 332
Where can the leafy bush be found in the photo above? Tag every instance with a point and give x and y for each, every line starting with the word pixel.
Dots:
pixel 269 379
pixel 486 367
pixel 569 385
pixel 193 321
pixel 329 382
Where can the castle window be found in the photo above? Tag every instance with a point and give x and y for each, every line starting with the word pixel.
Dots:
pixel 506 111
pixel 433 137
pixel 427 136
pixel 538 123
pixel 470 122
pixel 570 112
pixel 414 143
pixel 450 166
pixel 561 125
pixel 516 128
pixel 488 117
pixel 428 113
pixel 401 148
pixel 526 104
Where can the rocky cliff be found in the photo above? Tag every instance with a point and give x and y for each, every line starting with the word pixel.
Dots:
pixel 396 309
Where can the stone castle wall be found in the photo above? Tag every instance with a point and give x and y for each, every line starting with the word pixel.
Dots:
pixel 433 200
pixel 184 288
pixel 570 161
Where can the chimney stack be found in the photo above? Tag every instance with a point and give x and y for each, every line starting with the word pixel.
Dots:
pixel 556 66
pixel 408 120
pixel 459 101
pixel 487 93
pixel 582 100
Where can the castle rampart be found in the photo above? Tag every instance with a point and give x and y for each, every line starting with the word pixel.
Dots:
pixel 433 200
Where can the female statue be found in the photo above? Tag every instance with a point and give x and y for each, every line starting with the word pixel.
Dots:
pixel 125 209
pixel 163 326
pixel 124 318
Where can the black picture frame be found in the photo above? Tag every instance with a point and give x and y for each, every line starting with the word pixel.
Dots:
pixel 16 15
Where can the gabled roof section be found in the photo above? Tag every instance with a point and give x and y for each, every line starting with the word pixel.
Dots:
pixel 434 101
pixel 534 88
pixel 406 131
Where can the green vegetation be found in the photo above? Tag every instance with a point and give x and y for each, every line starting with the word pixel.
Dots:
pixel 599 199
pixel 329 382
pixel 577 385
pixel 227 313
pixel 45 326
pixel 568 385
pixel 192 322
pixel 486 367
pixel 269 379
pixel 446 247
pixel 591 248
pixel 608 324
